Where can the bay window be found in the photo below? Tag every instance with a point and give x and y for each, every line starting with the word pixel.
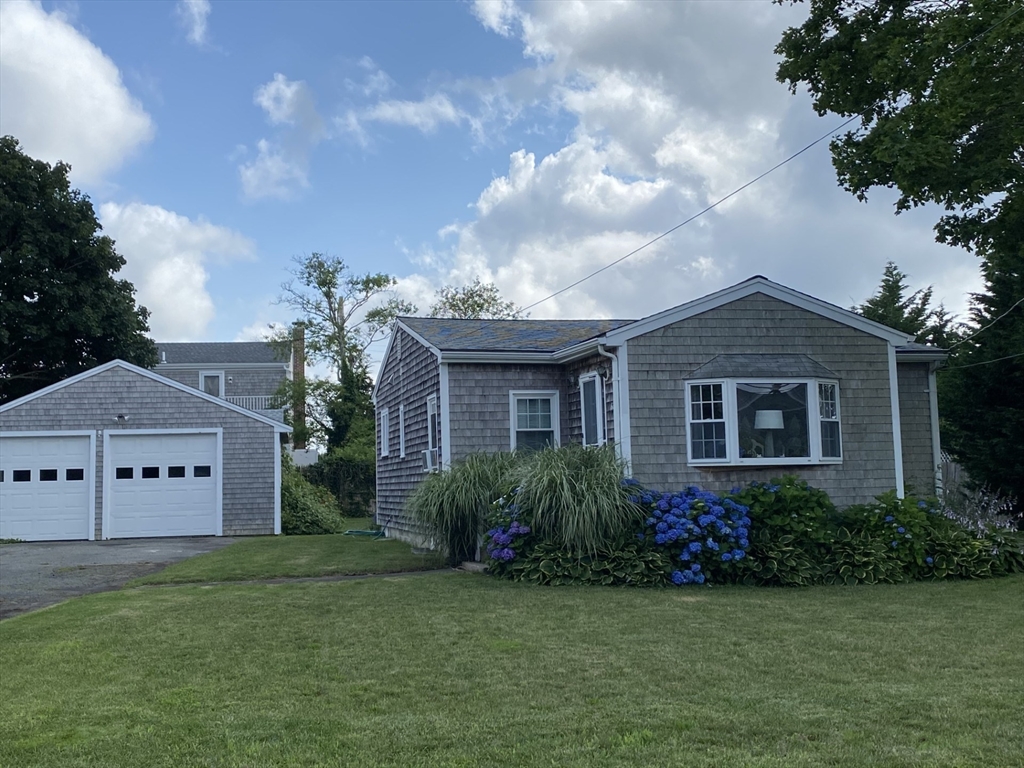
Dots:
pixel 773 421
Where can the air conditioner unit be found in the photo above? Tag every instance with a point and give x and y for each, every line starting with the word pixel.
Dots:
pixel 430 460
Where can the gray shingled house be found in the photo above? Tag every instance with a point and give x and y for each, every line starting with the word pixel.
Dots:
pixel 119 452
pixel 745 384
pixel 246 373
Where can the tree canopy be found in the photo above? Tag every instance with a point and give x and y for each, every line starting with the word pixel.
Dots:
pixel 476 301
pixel 940 87
pixel 913 314
pixel 62 310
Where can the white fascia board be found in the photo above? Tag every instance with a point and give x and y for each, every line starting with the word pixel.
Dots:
pixel 748 288
pixel 540 358
pixel 387 352
pixel 583 349
pixel 278 426
pixel 220 366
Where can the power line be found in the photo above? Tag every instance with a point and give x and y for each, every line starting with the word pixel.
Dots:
pixel 984 362
pixel 968 338
pixel 666 233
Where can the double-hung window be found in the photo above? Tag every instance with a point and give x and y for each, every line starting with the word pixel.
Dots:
pixel 384 433
pixel 763 422
pixel 432 456
pixel 592 409
pixel 533 420
pixel 401 431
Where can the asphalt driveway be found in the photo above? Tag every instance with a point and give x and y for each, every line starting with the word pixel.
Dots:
pixel 42 573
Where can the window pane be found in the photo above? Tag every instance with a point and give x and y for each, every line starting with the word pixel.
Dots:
pixel 772 420
pixel 47 475
pixel 211 385
pixel 74 474
pixel 708 441
pixel 827 401
pixel 175 471
pixel 830 446
pixel 21 475
pixel 201 470
pixel 124 473
pixel 150 473
pixel 590 412
pixel 534 440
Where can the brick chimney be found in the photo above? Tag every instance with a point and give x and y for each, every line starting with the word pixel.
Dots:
pixel 299 380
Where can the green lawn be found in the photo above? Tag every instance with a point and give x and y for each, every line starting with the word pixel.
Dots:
pixel 270 557
pixel 464 670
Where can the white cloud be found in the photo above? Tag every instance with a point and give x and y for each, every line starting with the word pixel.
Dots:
pixel 166 257
pixel 62 97
pixel 280 168
pixel 376 81
pixel 272 174
pixel 425 115
pixel 192 14
pixel 660 130
pixel 262 330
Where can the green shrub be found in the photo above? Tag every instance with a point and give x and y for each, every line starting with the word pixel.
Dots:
pixel 451 505
pixel 858 558
pixel 790 532
pixel 306 508
pixel 628 563
pixel 575 498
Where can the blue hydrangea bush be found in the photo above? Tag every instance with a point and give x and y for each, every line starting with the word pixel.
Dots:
pixel 705 535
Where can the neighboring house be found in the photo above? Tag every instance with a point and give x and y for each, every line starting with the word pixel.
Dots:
pixel 749 383
pixel 246 373
pixel 121 452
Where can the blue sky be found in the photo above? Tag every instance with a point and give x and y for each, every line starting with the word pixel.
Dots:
pixel 524 144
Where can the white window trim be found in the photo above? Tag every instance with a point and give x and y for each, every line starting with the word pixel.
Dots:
pixel 220 376
pixel 385 429
pixel 516 394
pixel 432 445
pixel 732 438
pixel 401 431
pixel 595 377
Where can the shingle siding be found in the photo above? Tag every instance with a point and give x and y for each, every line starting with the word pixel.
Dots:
pixel 660 361
pixel 480 412
pixel 408 376
pixel 95 402
pixel 244 381
pixel 915 425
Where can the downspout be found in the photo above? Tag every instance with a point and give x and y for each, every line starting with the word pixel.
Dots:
pixel 615 396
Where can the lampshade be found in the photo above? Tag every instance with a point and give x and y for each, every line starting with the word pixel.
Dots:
pixel 768 420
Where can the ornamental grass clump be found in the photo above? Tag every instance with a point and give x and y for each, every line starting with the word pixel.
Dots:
pixel 451 505
pixel 706 536
pixel 575 498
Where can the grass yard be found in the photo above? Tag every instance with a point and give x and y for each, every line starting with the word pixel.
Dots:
pixel 271 557
pixel 464 670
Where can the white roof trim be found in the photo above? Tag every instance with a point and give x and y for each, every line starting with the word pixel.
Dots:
pixel 748 288
pixel 387 351
pixel 278 426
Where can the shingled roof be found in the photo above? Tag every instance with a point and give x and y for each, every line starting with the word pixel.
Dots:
pixel 218 352
pixel 507 335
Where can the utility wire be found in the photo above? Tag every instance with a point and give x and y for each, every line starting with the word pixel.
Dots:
pixel 666 233
pixel 984 362
pixel 968 338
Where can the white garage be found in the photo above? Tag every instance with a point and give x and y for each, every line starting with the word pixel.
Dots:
pixel 162 483
pixel 121 452
pixel 47 485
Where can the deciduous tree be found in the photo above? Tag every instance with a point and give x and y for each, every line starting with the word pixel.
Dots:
pixel 475 301
pixel 62 308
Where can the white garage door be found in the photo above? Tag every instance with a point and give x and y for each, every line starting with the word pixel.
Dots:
pixel 45 487
pixel 161 485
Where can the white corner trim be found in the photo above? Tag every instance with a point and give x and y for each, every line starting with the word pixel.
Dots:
pixel 897 432
pixel 748 288
pixel 625 438
pixel 107 465
pixel 277 486
pixel 446 418
pixel 933 407
pixel 278 426
pixel 90 472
